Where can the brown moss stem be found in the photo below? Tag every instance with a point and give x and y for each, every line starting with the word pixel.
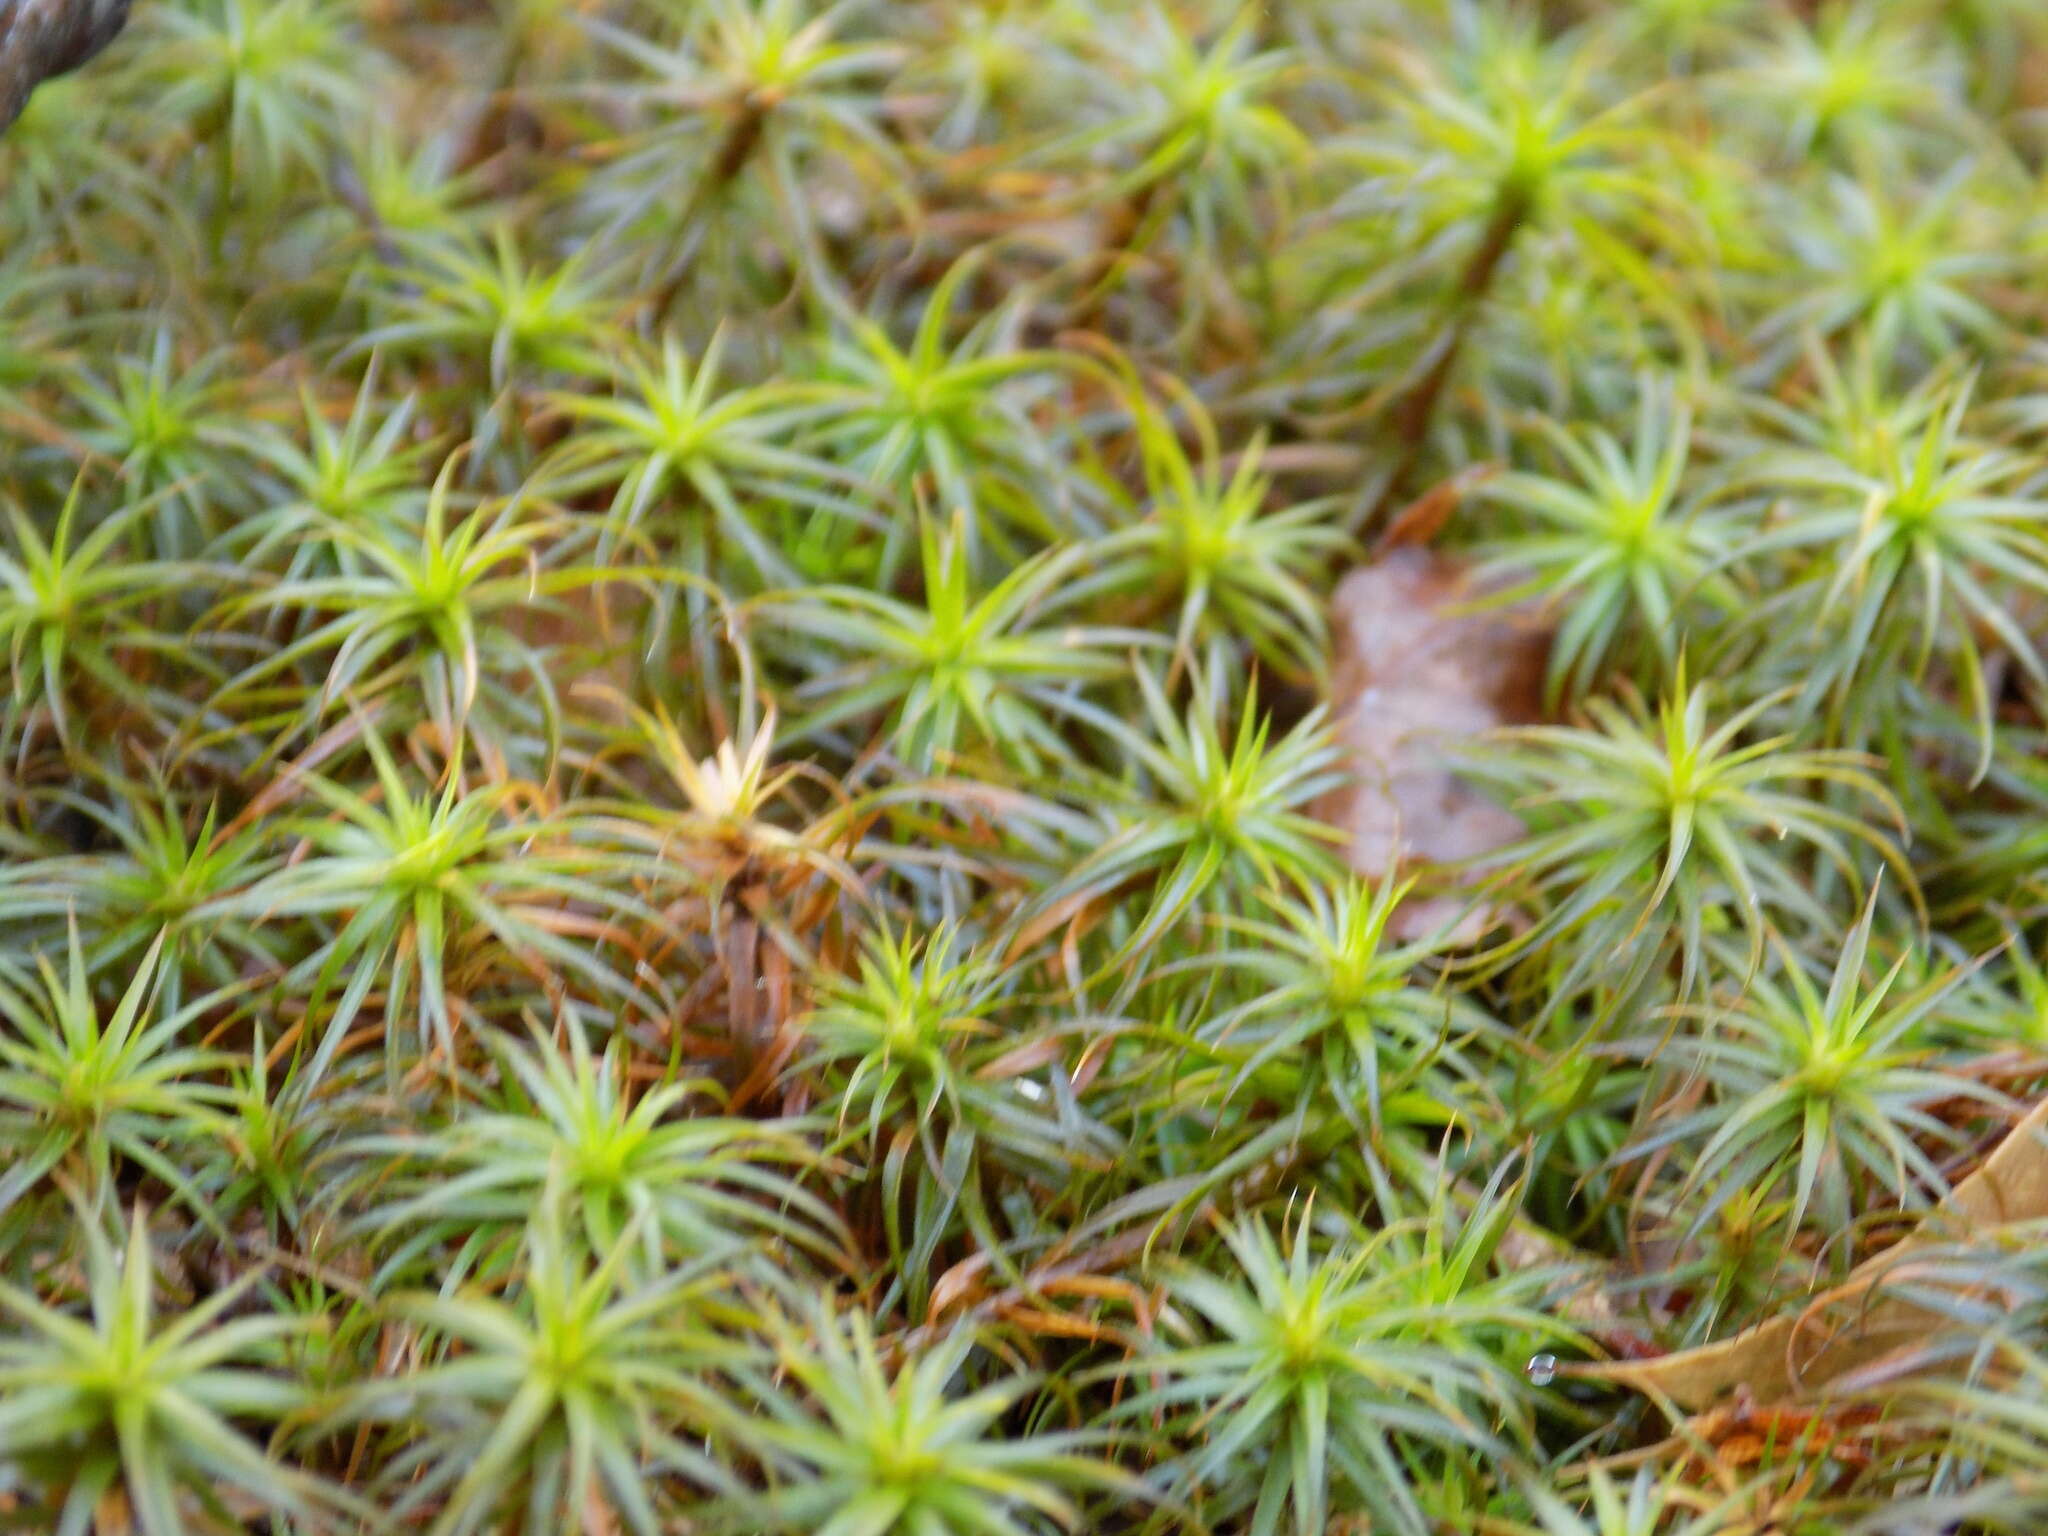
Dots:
pixel 1416 410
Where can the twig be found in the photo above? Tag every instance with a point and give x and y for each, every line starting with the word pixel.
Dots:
pixel 1416 410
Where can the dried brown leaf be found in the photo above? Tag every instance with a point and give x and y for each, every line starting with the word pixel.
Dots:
pixel 1419 672
pixel 1858 1323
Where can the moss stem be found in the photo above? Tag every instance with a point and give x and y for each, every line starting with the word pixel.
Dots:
pixel 742 137
pixel 1416 410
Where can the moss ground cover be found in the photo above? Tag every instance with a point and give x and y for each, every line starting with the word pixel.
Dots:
pixel 667 668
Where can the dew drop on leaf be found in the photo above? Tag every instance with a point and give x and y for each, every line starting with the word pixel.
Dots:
pixel 1542 1370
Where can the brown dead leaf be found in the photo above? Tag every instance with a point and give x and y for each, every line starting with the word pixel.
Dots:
pixel 1424 518
pixel 1858 1323
pixel 1417 673
pixel 1742 1434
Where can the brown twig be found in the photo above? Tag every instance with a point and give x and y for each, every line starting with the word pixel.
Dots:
pixel 742 137
pixel 43 38
pixel 1417 407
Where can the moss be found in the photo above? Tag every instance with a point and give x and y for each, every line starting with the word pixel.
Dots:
pixel 665 661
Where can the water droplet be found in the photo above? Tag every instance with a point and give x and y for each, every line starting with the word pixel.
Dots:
pixel 1542 1370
